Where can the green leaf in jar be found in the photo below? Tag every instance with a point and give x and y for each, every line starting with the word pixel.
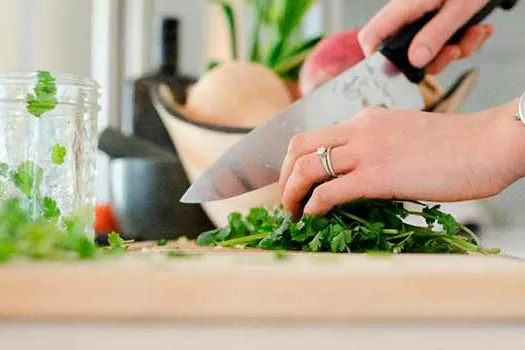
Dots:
pixel 44 97
pixel 50 208
pixel 27 178
pixel 58 154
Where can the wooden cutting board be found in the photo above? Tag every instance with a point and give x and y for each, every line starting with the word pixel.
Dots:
pixel 228 284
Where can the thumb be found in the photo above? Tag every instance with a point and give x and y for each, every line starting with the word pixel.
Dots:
pixel 434 36
pixel 390 19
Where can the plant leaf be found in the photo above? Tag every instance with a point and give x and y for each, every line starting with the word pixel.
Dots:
pixel 58 154
pixel 274 238
pixel 229 14
pixel 292 15
pixel 296 57
pixel 340 241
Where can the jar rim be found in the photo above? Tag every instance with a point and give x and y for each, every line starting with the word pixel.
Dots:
pixel 72 89
pixel 62 79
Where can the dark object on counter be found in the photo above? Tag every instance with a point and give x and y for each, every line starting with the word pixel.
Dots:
pixel 145 120
pixel 145 196
pixel 117 145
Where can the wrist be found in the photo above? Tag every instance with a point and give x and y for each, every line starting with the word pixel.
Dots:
pixel 508 138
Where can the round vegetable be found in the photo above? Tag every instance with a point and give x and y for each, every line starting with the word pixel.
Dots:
pixel 335 54
pixel 237 94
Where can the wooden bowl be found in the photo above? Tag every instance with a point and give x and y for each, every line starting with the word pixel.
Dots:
pixel 198 146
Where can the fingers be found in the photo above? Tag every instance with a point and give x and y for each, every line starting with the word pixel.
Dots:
pixel 306 143
pixel 392 17
pixel 352 186
pixel 307 172
pixel 470 43
pixel 448 55
pixel 474 39
pixel 433 37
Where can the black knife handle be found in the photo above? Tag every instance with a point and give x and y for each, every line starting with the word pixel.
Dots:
pixel 396 47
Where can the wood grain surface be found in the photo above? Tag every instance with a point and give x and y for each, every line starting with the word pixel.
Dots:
pixel 229 284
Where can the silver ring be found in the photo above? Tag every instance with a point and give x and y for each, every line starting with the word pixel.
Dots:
pixel 326 161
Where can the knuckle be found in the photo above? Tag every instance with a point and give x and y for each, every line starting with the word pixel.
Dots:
pixel 302 168
pixel 296 143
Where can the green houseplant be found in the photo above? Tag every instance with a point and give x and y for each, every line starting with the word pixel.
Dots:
pixel 275 38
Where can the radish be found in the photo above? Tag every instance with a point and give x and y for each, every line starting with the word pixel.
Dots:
pixel 332 56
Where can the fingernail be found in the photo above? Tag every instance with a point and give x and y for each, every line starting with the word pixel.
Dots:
pixel 307 209
pixel 367 50
pixel 422 55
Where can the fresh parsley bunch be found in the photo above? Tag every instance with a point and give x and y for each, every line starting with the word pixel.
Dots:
pixel 367 225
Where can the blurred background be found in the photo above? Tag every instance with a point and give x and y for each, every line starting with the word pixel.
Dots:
pixel 123 44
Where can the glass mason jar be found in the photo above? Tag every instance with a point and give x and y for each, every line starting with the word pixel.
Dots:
pixel 48 144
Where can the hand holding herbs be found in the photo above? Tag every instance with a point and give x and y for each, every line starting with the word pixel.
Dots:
pixel 363 226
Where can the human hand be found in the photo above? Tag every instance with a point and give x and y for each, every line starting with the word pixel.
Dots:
pixel 409 155
pixel 429 47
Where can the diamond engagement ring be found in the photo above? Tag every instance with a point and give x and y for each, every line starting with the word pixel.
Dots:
pixel 326 161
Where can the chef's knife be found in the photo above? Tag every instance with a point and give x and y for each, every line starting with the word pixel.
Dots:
pixel 386 78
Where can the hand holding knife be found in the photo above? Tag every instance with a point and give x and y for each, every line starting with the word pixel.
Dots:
pixel 386 78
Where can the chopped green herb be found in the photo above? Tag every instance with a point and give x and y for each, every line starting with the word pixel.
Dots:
pixel 116 243
pixel 162 242
pixel 27 178
pixel 22 236
pixel 44 97
pixel 58 154
pixel 281 255
pixel 177 253
pixel 50 208
pixel 366 226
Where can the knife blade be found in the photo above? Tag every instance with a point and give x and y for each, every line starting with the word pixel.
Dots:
pixel 386 78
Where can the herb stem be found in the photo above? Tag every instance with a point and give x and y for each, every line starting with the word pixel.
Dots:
pixel 471 234
pixel 390 231
pixel 354 217
pixel 241 240
pixel 401 235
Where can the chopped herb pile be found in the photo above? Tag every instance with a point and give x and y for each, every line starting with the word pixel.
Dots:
pixel 22 236
pixel 369 226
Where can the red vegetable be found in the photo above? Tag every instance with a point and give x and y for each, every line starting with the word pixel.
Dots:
pixel 333 55
pixel 105 220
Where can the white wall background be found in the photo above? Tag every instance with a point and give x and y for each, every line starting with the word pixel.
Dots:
pixel 50 34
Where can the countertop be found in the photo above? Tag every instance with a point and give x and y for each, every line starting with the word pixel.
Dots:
pixel 223 299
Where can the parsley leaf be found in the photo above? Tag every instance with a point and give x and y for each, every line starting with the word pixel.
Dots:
pixel 44 97
pixel 273 239
pixel 58 154
pixel 340 241
pixel 50 208
pixel 208 238
pixel 116 243
pixel 317 242
pixel 28 178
